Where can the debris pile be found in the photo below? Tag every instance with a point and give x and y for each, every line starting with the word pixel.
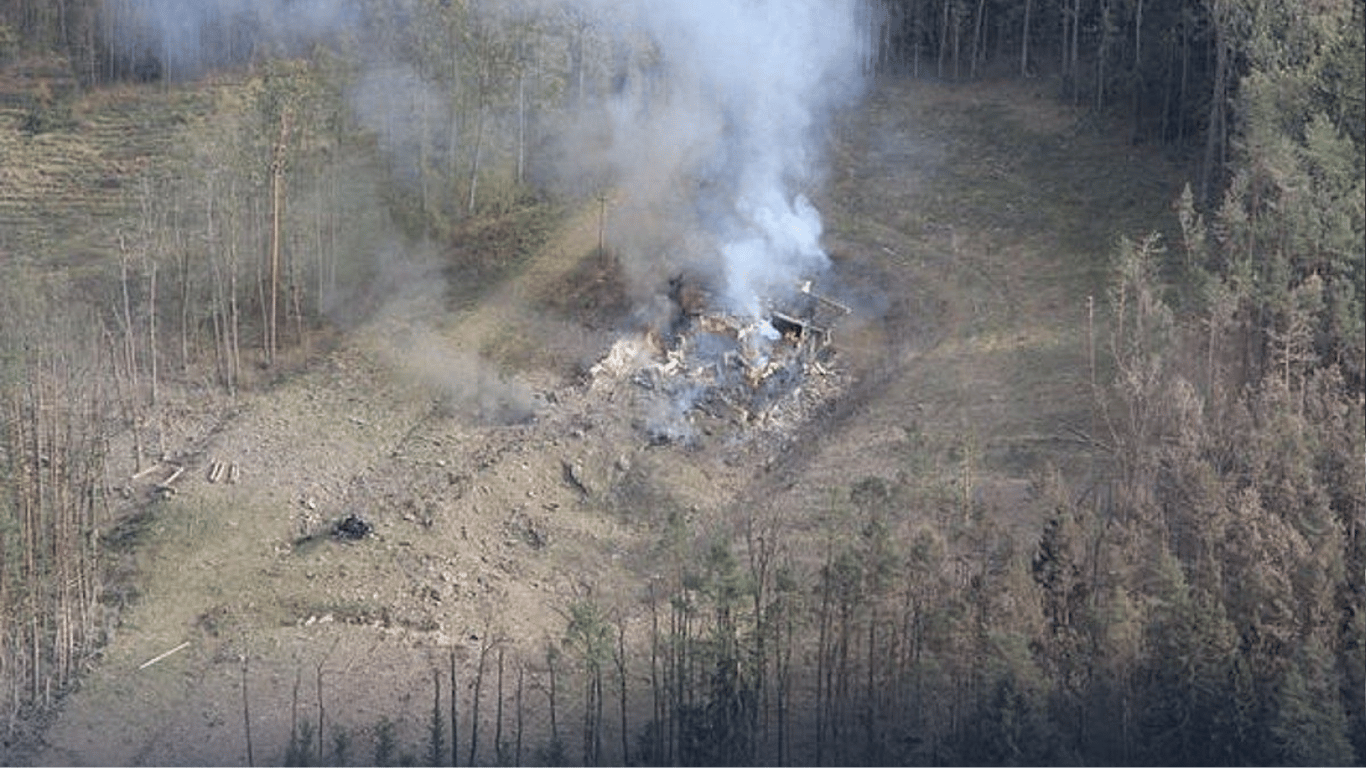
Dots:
pixel 768 371
pixel 352 528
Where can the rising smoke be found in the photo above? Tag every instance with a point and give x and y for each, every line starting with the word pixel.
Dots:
pixel 715 132
pixel 711 129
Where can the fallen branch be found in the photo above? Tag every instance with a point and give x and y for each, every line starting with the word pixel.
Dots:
pixel 154 660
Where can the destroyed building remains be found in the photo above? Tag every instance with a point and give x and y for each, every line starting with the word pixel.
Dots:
pixel 765 371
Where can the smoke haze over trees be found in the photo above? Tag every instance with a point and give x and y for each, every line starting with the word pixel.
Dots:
pixel 1200 601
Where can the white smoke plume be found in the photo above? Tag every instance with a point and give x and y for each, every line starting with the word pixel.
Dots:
pixel 723 128
pixel 711 129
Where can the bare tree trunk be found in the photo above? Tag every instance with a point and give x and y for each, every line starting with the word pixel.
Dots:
pixel 1102 53
pixel 474 162
pixel 521 677
pixel 554 723
pixel 823 688
pixel 1212 168
pixel 521 127
pixel 917 32
pixel 182 260
pixel 621 678
pixel 657 744
pixel 152 329
pixel 1185 78
pixel 246 710
pixel 484 648
pixel 262 279
pixel 1074 68
pixel 760 549
pixel 498 713
pixel 673 678
pixel 978 38
pixel 423 169
pixel 784 683
pixel 294 711
pixel 597 716
pixel 322 712
pixel 434 738
pixel 589 729
pixel 230 263
pixel 217 301
pixel 1138 70
pixel 277 192
pixel 134 408
pixel 943 50
pixel 1024 39
pixel 455 721
pixel 1065 16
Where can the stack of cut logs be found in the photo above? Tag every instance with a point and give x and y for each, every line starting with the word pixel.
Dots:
pixel 221 470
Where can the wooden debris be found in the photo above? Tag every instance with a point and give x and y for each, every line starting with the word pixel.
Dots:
pixel 222 471
pixel 149 470
pixel 166 487
pixel 155 659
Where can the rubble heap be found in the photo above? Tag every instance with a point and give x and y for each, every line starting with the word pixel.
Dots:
pixel 765 372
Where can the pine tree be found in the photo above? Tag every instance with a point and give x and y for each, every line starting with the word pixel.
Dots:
pixel 1185 697
pixel 1309 726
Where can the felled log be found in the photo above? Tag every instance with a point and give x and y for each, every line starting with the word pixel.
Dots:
pixel 146 472
pixel 159 657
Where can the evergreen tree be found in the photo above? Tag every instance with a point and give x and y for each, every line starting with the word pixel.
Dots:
pixel 1309 726
pixel 1188 706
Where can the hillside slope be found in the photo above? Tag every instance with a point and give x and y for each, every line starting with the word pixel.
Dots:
pixel 972 222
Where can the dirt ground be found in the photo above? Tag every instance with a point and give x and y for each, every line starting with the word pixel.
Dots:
pixel 969 225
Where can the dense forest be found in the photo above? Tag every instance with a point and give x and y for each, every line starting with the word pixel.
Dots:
pixel 1200 601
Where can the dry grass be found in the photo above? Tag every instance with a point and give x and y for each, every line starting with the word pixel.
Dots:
pixel 72 161
pixel 999 210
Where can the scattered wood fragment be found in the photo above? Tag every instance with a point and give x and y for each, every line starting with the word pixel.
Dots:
pixel 149 470
pixel 167 485
pixel 155 659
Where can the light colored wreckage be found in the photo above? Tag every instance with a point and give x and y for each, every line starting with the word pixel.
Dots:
pixel 767 371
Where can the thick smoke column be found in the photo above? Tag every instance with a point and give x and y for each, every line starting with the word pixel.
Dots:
pixel 732 106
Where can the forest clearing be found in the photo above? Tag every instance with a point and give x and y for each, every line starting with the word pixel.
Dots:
pixel 391 410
